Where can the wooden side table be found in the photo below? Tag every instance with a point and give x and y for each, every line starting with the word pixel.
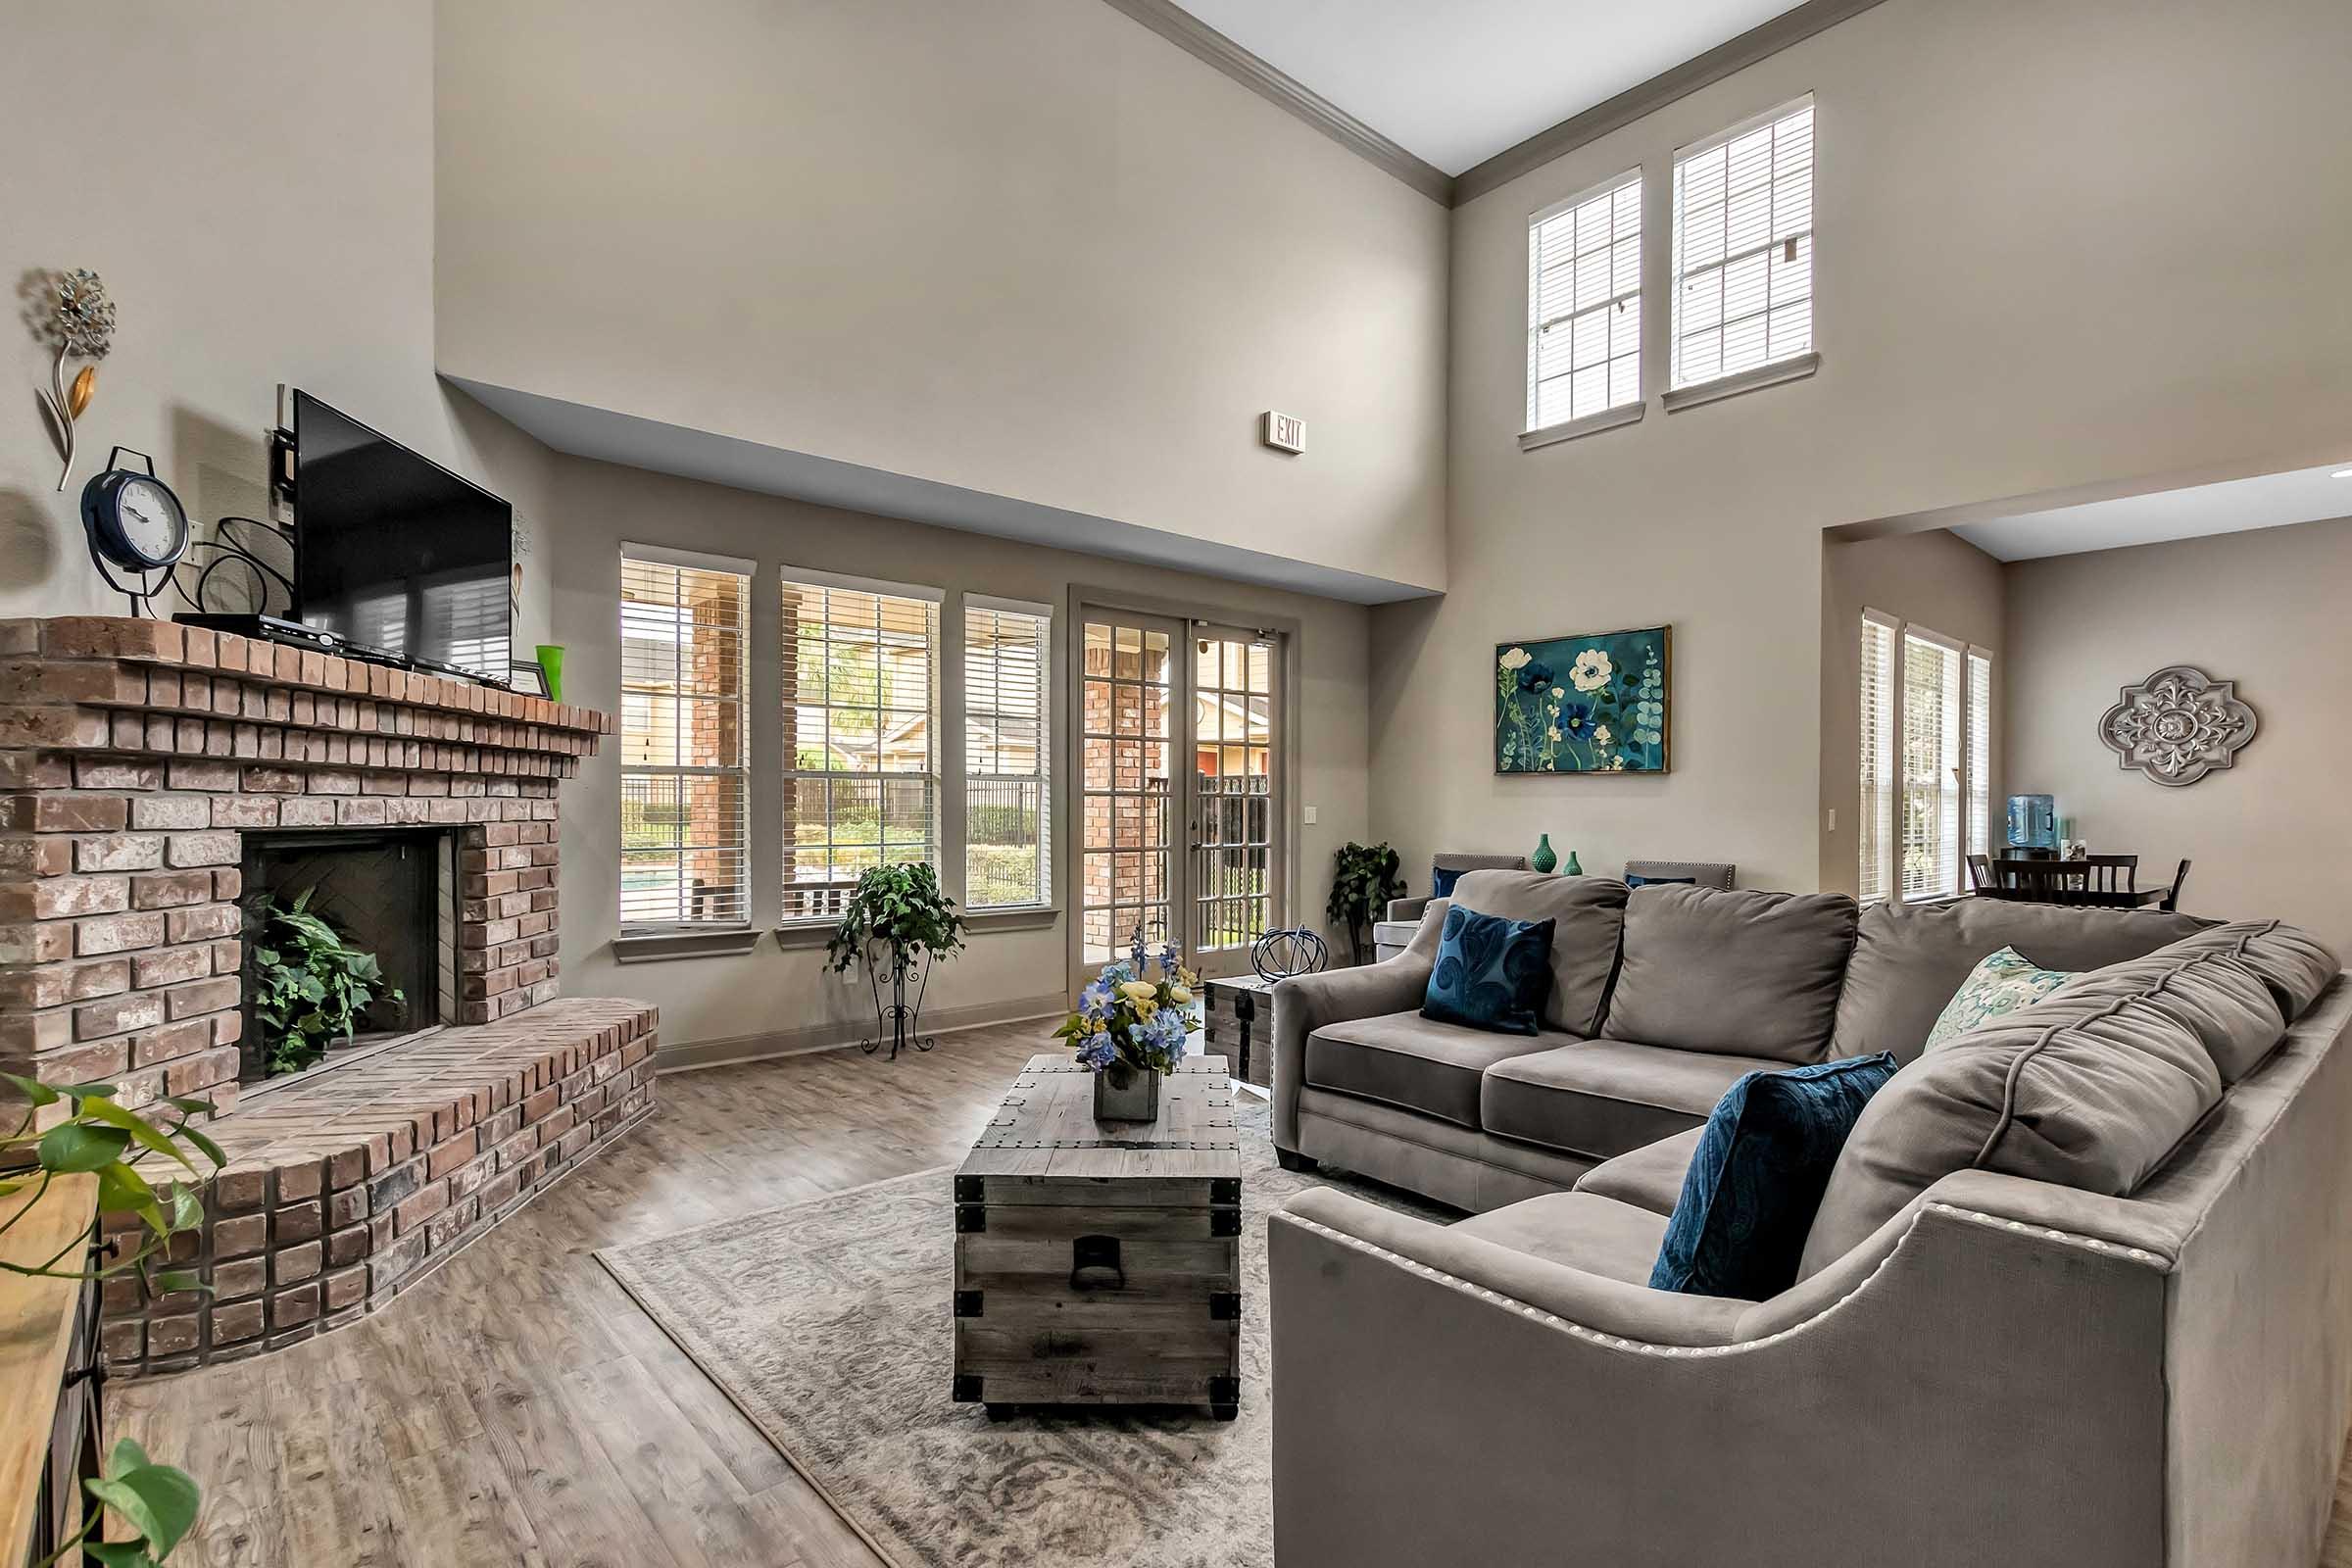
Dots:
pixel 1241 1026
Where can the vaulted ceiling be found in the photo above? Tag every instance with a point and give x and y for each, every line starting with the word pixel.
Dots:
pixel 1456 83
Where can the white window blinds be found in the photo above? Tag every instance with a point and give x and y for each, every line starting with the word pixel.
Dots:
pixel 861 710
pixel 685 627
pixel 1878 757
pixel 1743 248
pixel 1929 829
pixel 1980 753
pixel 1006 737
pixel 1584 304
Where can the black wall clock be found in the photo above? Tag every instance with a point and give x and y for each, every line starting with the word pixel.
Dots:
pixel 133 522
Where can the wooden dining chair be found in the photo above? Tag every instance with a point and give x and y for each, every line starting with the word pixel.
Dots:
pixel 2172 897
pixel 1980 873
pixel 2096 880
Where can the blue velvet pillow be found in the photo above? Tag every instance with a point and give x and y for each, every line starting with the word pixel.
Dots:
pixel 1757 1178
pixel 1661 881
pixel 1441 881
pixel 1491 972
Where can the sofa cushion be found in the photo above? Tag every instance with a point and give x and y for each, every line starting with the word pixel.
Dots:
pixel 2209 984
pixel 1651 1177
pixel 1405 1059
pixel 1738 1228
pixel 1606 1097
pixel 1739 972
pixel 1597 1235
pixel 2001 983
pixel 1492 972
pixel 1910 958
pixel 1588 916
pixel 2293 963
pixel 2082 1090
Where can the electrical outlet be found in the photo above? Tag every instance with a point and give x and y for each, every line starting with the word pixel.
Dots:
pixel 1310 816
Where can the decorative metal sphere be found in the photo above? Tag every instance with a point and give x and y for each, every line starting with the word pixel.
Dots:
pixel 1278 955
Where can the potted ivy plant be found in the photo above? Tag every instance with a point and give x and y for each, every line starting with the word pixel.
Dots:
pixel 899 922
pixel 1365 882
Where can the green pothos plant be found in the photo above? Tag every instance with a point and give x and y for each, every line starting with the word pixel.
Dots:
pixel 98 1137
pixel 903 906
pixel 309 986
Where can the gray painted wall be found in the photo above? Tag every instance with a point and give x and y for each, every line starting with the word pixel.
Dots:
pixel 254 179
pixel 1028 248
pixel 2264 609
pixel 2029 217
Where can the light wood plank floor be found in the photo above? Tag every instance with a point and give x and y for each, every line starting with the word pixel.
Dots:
pixel 518 1407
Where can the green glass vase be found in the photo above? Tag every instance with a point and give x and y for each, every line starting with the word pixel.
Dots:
pixel 1572 869
pixel 1544 860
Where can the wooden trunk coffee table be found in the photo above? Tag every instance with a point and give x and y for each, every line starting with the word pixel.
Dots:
pixel 1099 1262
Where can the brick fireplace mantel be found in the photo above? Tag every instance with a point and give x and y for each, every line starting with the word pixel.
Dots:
pixel 134 756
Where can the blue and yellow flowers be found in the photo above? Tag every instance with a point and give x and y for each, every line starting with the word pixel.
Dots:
pixel 1124 1017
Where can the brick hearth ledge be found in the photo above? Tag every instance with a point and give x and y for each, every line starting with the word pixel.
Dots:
pixel 133 754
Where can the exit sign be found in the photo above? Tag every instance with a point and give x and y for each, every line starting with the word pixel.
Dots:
pixel 1285 433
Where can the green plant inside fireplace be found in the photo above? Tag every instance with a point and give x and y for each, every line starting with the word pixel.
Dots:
pixel 311 986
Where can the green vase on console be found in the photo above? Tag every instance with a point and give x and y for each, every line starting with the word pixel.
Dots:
pixel 1544 860
pixel 1573 869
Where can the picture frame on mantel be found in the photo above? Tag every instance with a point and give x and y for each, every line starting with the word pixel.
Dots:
pixel 1586 703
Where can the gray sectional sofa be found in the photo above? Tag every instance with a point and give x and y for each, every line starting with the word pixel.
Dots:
pixel 2079 1291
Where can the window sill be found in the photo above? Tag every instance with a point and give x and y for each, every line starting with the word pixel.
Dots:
pixel 1589 424
pixel 1023 920
pixel 806 934
pixel 650 947
pixel 1731 386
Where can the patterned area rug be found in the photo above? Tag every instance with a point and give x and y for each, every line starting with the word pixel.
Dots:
pixel 828 1323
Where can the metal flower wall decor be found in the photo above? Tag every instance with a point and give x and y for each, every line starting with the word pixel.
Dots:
pixel 2178 725
pixel 79 323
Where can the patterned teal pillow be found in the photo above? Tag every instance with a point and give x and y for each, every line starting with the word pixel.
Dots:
pixel 2001 983
pixel 1491 973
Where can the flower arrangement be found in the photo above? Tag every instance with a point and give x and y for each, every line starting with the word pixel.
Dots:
pixel 1127 1021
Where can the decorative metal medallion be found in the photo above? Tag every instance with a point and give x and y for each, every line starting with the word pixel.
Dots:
pixel 2178 725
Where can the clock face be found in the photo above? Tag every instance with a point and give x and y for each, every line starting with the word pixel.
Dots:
pixel 152 522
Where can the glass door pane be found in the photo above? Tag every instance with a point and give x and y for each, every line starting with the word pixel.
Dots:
pixel 1233 866
pixel 1127 690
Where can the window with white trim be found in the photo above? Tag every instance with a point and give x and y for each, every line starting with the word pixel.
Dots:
pixel 1743 248
pixel 1583 305
pixel 685 766
pixel 860 716
pixel 1926 759
pixel 1007 734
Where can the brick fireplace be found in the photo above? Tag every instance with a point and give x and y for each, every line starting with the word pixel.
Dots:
pixel 147 772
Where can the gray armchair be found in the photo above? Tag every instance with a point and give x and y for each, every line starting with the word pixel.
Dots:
pixel 1406 910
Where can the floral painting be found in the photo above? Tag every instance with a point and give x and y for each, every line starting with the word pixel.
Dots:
pixel 1592 704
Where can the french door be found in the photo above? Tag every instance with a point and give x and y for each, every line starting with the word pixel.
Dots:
pixel 1180 821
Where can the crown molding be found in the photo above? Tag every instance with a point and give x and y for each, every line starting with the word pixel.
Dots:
pixel 1760 42
pixel 1205 44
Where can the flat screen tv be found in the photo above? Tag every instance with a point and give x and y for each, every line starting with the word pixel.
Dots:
pixel 395 554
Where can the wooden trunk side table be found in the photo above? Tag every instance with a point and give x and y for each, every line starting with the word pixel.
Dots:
pixel 1241 1024
pixel 1099 1262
